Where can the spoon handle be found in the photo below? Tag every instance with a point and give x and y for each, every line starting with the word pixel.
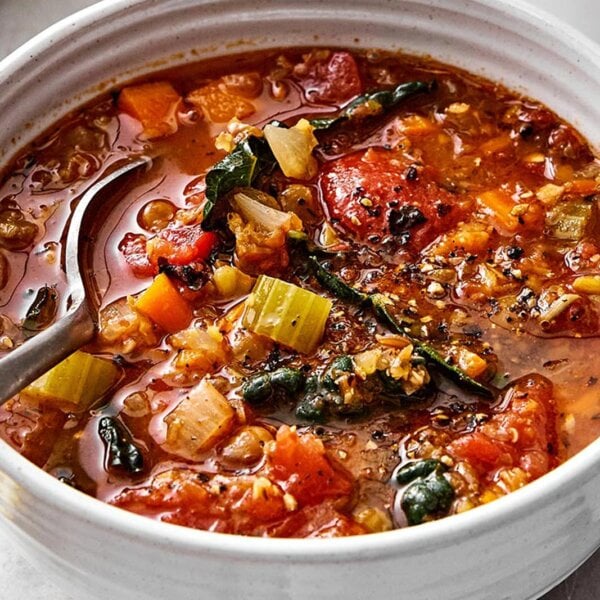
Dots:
pixel 31 360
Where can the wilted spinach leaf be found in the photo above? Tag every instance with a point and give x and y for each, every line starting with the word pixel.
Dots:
pixel 121 452
pixel 240 168
pixel 374 103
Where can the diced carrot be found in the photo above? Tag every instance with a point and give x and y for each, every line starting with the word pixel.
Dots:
pixel 500 204
pixel 163 303
pixel 154 105
pixel 472 364
pixel 220 106
pixel 583 186
pixel 416 125
pixel 564 173
pixel 497 144
pixel 468 237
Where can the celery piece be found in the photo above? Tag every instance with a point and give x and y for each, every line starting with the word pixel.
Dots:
pixel 570 220
pixel 75 382
pixel 286 313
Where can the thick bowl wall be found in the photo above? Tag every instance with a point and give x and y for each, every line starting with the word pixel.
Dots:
pixel 514 548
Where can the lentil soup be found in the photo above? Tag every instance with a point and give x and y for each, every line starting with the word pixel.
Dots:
pixel 355 291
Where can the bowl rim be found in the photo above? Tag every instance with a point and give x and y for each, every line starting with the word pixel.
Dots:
pixel 106 516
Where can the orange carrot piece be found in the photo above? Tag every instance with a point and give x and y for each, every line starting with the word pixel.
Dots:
pixel 415 125
pixel 163 303
pixel 497 144
pixel 220 106
pixel 583 187
pixel 469 237
pixel 154 105
pixel 472 364
pixel 500 205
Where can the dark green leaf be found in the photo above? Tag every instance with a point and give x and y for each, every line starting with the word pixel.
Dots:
pixel 335 285
pixel 311 408
pixel 431 496
pixel 418 468
pixel 452 372
pixel 375 103
pixel 240 168
pixel 121 452
pixel 312 385
pixel 261 387
pixel 381 309
pixel 258 388
pixel 290 380
pixel 339 366
pixel 380 305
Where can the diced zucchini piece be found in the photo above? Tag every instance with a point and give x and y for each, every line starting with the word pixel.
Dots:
pixel 74 383
pixel 287 314
pixel 202 418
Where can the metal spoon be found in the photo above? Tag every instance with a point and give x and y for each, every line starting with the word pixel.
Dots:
pixel 36 356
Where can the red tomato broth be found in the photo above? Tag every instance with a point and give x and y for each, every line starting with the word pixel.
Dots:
pixel 431 154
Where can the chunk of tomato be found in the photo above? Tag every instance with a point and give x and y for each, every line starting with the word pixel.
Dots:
pixel 228 505
pixel 181 245
pixel 332 80
pixel 133 248
pixel 301 467
pixel 369 192
pixel 321 521
pixel 522 435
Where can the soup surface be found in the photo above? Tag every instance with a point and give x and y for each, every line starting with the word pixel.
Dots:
pixel 353 291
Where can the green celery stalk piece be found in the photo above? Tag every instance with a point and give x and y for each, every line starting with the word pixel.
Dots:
pixel 76 382
pixel 286 313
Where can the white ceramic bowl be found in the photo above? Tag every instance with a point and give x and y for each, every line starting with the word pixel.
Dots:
pixel 515 548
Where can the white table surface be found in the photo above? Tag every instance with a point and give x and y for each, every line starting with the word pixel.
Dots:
pixel 20 20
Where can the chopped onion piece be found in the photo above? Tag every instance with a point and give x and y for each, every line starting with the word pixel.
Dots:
pixel 264 216
pixel 202 418
pixel 293 149
pixel 557 307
